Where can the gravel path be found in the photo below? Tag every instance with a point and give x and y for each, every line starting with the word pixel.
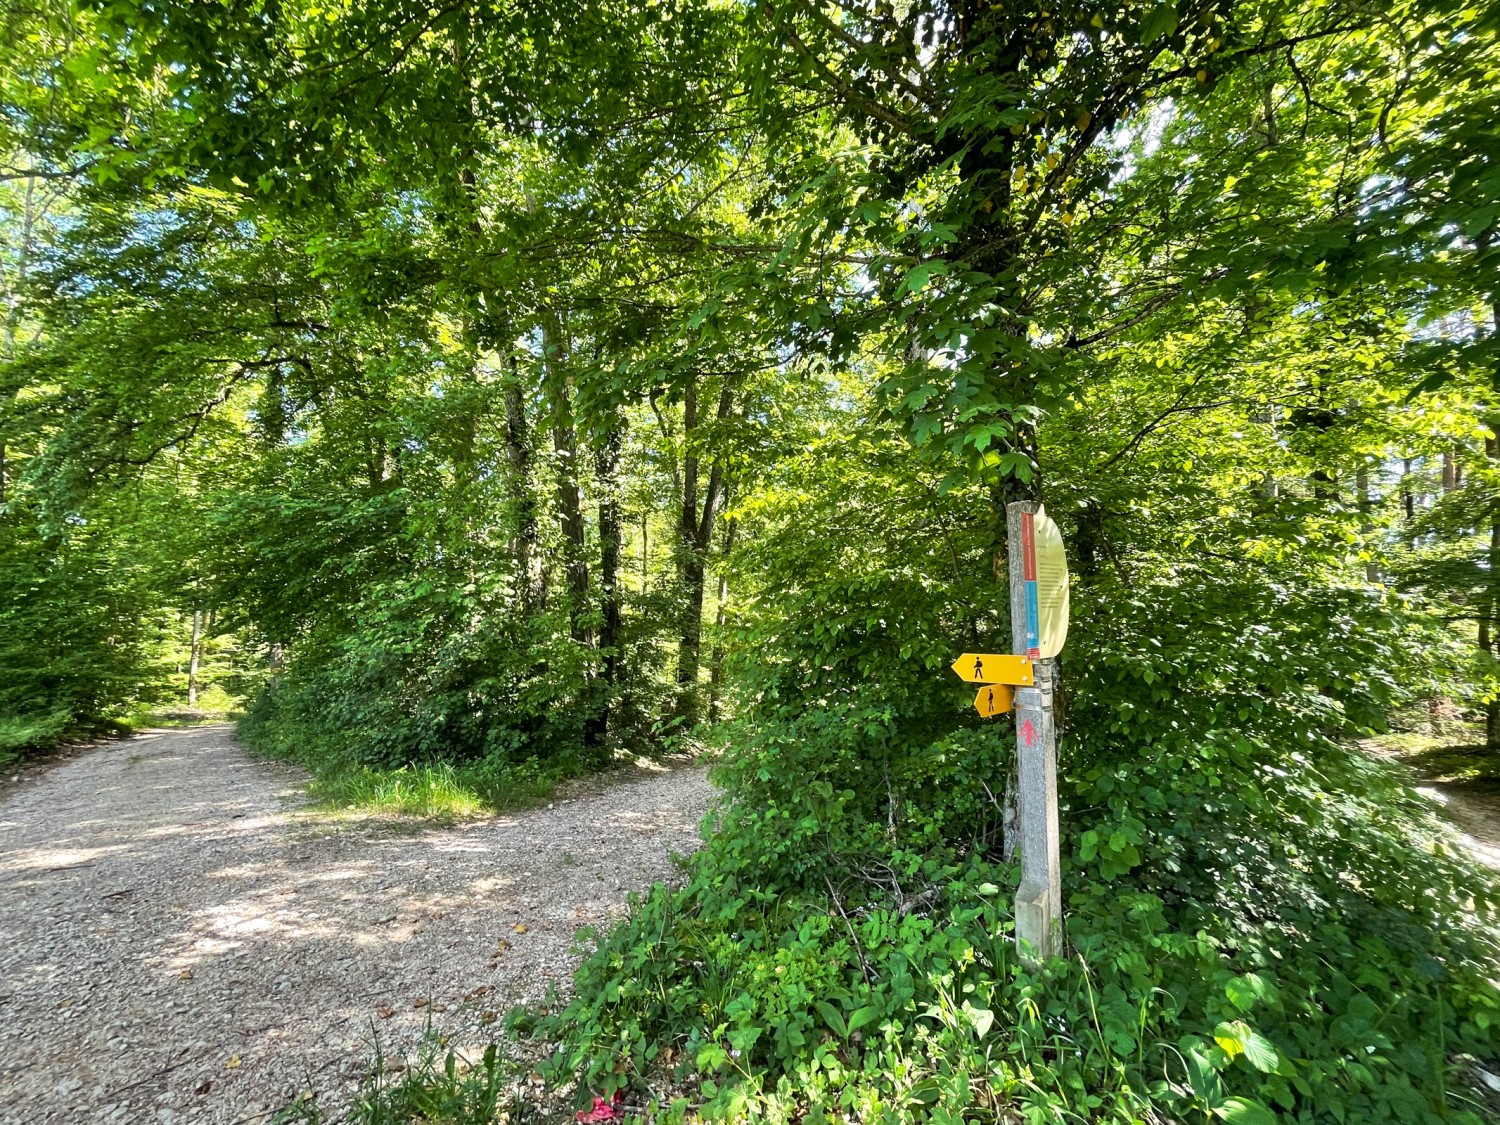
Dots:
pixel 179 942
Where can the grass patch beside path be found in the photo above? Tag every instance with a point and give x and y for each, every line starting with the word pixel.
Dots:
pixel 436 791
pixel 448 793
pixel 356 774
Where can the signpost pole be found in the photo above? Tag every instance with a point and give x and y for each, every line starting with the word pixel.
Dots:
pixel 1039 900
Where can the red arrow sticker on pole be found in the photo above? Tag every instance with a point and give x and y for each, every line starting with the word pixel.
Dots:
pixel 1028 732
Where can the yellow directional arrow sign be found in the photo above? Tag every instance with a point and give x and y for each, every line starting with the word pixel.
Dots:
pixel 993 699
pixel 989 668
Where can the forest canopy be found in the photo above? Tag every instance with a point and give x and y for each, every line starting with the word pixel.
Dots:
pixel 496 388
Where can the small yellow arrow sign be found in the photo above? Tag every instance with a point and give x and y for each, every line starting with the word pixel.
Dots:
pixel 993 699
pixel 988 668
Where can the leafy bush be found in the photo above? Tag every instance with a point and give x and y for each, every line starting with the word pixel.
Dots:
pixel 74 630
pixel 21 733
pixel 1262 922
pixel 435 699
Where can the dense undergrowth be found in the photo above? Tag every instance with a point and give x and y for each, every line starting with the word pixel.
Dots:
pixel 434 701
pixel 350 771
pixel 1263 924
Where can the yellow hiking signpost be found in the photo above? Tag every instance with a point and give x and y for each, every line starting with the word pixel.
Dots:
pixel 993 668
pixel 993 699
pixel 1039 627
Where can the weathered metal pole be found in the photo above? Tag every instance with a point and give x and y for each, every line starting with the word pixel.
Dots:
pixel 1039 899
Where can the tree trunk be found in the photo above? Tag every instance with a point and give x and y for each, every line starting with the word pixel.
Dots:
pixel 607 472
pixel 695 529
pixel 193 652
pixel 1490 613
pixel 1366 525
pixel 716 663
pixel 272 409
pixel 690 638
pixel 518 457
pixel 569 495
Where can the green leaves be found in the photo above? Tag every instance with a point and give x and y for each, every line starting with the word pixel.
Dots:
pixel 1244 1111
pixel 1160 21
pixel 1237 1038
pixel 919 275
pixel 1244 992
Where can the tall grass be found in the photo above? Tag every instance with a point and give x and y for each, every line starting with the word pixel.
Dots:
pixel 438 1086
pixel 438 790
pixel 435 790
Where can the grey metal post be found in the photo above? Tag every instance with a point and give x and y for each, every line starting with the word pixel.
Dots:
pixel 1039 899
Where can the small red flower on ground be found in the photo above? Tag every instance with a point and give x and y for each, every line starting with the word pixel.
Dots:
pixel 602 1111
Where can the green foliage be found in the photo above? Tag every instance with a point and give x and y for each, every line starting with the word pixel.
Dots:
pixel 18 735
pixel 425 672
pixel 74 628
pixel 1263 921
pixel 384 358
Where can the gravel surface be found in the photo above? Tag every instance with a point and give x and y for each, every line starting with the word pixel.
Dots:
pixel 182 941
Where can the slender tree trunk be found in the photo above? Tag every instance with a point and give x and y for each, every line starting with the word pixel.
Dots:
pixel 193 653
pixel 721 616
pixel 1490 614
pixel 272 408
pixel 645 550
pixel 570 518
pixel 1366 524
pixel 689 562
pixel 690 639
pixel 607 472
pixel 569 495
pixel 695 529
pixel 1408 494
pixel 523 498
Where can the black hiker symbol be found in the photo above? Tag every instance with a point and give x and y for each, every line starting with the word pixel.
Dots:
pixel 992 700
pixel 979 667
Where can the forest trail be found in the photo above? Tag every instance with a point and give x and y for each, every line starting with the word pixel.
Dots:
pixel 180 941
pixel 1475 814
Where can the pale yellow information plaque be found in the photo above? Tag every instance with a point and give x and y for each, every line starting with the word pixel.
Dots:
pixel 1051 585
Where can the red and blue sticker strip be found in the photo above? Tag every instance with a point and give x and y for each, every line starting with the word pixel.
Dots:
pixel 1028 572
